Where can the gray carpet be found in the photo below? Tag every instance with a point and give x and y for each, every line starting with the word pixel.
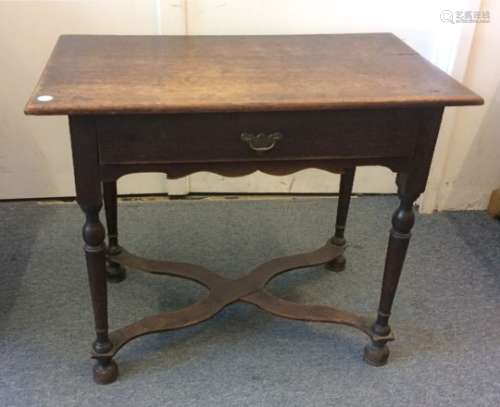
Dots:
pixel 446 316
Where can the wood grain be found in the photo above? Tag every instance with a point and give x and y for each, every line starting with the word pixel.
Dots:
pixel 168 74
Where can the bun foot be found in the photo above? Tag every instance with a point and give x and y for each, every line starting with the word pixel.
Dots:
pixel 337 264
pixel 105 372
pixel 115 272
pixel 376 354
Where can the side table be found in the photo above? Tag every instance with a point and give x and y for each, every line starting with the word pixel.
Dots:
pixel 234 105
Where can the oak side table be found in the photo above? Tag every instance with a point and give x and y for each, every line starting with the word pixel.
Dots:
pixel 234 105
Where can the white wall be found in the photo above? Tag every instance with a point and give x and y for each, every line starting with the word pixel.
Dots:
pixel 35 155
pixel 472 168
pixel 35 159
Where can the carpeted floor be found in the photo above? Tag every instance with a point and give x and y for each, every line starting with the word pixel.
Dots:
pixel 446 316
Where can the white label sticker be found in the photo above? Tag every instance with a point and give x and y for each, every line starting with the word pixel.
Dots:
pixel 45 98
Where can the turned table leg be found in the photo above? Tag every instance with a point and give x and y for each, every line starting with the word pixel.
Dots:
pixel 377 352
pixel 89 198
pixel 105 370
pixel 345 191
pixel 115 272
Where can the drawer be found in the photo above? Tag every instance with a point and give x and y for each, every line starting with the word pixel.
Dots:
pixel 215 137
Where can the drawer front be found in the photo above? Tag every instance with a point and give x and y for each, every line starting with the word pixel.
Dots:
pixel 215 137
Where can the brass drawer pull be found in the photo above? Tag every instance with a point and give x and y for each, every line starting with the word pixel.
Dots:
pixel 261 142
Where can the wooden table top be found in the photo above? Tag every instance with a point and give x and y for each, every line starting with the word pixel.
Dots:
pixel 89 74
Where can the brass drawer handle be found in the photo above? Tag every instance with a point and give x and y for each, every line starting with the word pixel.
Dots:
pixel 261 142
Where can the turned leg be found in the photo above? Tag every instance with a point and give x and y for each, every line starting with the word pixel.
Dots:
pixel 89 197
pixel 115 272
pixel 377 352
pixel 345 191
pixel 105 370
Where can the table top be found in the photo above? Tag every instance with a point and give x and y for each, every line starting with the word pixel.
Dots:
pixel 102 74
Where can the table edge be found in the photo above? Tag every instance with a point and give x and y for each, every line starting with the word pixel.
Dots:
pixel 468 100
